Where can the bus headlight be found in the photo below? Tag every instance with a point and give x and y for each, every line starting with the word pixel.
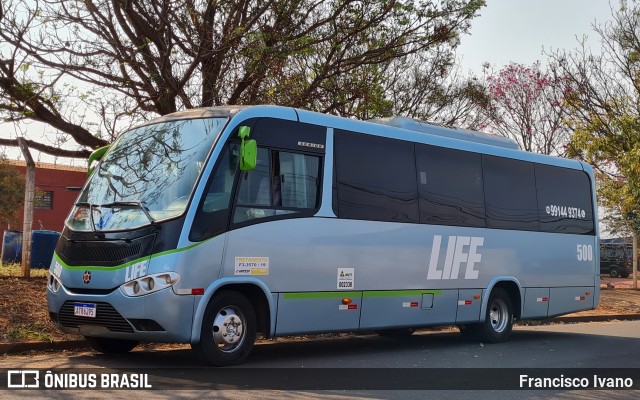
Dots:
pixel 149 284
pixel 53 283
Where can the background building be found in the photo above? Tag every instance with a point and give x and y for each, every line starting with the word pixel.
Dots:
pixel 53 200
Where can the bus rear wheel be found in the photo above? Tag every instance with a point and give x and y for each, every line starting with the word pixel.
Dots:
pixel 228 330
pixel 498 321
pixel 111 346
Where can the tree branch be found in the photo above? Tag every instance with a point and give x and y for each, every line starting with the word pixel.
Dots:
pixel 54 151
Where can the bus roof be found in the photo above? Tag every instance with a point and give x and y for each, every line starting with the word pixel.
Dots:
pixel 462 134
pixel 401 128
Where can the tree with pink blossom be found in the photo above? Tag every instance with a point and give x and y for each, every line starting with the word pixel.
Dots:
pixel 527 105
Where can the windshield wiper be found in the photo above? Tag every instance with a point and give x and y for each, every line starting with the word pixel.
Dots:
pixel 115 204
pixel 131 204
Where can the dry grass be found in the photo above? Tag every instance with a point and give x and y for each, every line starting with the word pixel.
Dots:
pixel 23 307
pixel 15 271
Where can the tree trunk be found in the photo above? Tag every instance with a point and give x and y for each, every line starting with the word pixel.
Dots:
pixel 29 191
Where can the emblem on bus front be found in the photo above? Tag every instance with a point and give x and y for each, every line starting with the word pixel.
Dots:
pixel 86 278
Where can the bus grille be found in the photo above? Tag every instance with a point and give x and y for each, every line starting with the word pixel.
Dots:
pixel 114 253
pixel 108 253
pixel 106 316
pixel 100 252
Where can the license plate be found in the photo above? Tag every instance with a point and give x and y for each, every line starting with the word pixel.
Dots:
pixel 84 310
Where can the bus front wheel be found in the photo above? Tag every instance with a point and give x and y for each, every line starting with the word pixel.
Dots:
pixel 498 321
pixel 228 330
pixel 111 346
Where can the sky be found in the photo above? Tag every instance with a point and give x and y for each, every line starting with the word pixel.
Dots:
pixel 517 30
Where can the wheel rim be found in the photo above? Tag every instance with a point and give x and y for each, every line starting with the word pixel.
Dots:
pixel 499 315
pixel 229 329
pixel 614 273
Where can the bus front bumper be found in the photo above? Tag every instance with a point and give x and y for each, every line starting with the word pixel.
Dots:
pixel 161 317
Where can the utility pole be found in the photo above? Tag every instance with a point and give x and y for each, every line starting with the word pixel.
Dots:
pixel 29 193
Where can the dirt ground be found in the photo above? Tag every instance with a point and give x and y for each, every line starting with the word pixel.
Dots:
pixel 23 311
pixel 24 315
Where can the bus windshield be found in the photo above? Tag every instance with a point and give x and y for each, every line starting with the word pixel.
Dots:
pixel 147 175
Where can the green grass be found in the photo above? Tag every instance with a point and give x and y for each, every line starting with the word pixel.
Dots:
pixel 25 332
pixel 15 270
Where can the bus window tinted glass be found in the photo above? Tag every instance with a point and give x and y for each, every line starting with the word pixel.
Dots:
pixel 510 194
pixel 450 187
pixel 375 178
pixel 564 200
pixel 299 180
pixel 283 183
pixel 255 187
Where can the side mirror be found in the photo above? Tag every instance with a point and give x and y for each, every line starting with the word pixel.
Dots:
pixel 248 150
pixel 96 156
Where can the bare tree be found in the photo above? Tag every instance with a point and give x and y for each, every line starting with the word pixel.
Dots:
pixel 436 90
pixel 133 59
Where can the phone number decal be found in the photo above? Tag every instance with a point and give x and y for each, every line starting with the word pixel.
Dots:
pixel 565 212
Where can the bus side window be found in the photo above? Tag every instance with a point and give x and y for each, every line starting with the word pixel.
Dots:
pixel 282 184
pixel 450 187
pixel 564 200
pixel 510 194
pixel 375 178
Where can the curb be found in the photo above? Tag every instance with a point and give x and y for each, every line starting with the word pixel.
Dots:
pixel 582 319
pixel 23 347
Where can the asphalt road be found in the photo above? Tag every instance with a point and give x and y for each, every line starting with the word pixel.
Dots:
pixel 443 359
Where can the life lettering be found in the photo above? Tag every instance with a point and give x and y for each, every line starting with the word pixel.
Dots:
pixel 460 250
pixel 135 271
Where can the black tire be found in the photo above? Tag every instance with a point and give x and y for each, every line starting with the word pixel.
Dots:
pixel 232 346
pixel 624 275
pixel 613 272
pixel 111 346
pixel 471 332
pixel 399 333
pixel 498 321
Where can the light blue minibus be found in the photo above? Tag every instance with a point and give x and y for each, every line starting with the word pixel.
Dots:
pixel 212 226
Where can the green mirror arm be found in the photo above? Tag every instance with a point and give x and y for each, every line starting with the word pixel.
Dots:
pixel 96 155
pixel 244 132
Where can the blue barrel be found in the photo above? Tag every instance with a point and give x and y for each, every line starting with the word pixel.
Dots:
pixel 43 243
pixel 11 247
